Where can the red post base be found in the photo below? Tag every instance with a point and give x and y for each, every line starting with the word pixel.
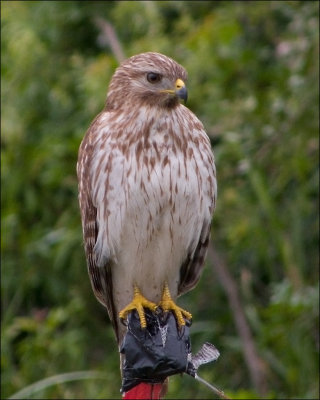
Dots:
pixel 144 391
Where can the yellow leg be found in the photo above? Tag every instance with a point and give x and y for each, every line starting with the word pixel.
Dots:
pixel 167 304
pixel 138 303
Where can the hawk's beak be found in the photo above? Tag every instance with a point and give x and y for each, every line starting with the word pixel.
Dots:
pixel 181 90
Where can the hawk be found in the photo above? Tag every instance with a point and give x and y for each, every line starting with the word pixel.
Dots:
pixel 147 191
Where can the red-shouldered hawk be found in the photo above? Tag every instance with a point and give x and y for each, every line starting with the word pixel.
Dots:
pixel 147 191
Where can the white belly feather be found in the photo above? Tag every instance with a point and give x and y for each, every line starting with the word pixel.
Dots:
pixel 156 235
pixel 151 214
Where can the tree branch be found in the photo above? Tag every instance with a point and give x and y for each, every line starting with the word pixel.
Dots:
pixel 255 364
pixel 108 37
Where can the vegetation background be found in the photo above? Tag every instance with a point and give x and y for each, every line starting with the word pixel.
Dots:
pixel 253 81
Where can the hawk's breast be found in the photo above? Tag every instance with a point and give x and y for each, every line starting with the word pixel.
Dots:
pixel 156 194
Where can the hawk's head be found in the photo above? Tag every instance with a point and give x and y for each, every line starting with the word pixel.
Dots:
pixel 147 78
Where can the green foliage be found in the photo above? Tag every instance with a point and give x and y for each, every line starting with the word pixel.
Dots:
pixel 253 80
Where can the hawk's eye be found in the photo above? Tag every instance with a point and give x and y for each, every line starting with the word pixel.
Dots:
pixel 153 77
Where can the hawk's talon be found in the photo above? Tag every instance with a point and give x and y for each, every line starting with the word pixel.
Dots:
pixel 167 304
pixel 138 303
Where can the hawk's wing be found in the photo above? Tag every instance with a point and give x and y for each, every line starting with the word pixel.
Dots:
pixel 100 276
pixel 191 268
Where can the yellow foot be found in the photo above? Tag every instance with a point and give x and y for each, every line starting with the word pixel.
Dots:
pixel 167 304
pixel 138 303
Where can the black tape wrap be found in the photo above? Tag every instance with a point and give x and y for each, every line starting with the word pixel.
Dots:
pixel 156 352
